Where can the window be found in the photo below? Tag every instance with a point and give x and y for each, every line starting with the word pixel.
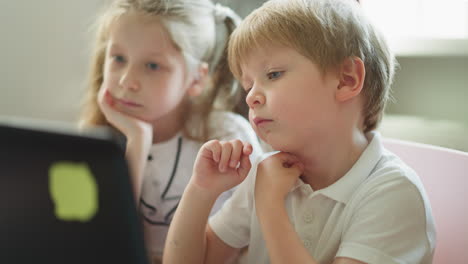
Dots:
pixel 420 18
pixel 422 27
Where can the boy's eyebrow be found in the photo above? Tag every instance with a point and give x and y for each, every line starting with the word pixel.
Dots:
pixel 242 79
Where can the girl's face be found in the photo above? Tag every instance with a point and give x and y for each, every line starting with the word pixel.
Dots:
pixel 144 72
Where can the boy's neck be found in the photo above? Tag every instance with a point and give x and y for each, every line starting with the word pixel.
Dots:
pixel 337 157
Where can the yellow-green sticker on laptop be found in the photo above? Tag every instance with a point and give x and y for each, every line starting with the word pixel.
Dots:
pixel 73 190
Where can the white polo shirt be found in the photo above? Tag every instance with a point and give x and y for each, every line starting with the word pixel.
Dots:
pixel 378 212
pixel 168 172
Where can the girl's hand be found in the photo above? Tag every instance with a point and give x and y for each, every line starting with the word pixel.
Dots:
pixel 221 165
pixel 134 129
pixel 139 136
pixel 276 175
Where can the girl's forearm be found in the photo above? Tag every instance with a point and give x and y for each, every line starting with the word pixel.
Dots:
pixel 282 241
pixel 136 155
pixel 186 239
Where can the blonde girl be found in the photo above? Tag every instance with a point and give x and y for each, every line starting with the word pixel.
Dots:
pixel 159 76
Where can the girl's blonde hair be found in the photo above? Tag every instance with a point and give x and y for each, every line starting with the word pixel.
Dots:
pixel 327 32
pixel 200 30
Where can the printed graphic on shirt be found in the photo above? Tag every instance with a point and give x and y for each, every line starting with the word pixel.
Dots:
pixel 161 208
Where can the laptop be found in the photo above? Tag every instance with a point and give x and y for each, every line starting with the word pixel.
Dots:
pixel 65 196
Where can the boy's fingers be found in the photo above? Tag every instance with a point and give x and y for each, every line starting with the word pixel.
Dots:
pixel 244 166
pixel 215 148
pixel 226 150
pixel 298 167
pixel 236 153
pixel 247 150
pixel 290 161
pixel 285 157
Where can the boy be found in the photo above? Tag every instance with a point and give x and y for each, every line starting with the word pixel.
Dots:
pixel 317 75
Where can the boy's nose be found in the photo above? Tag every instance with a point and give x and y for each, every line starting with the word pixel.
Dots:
pixel 129 80
pixel 255 99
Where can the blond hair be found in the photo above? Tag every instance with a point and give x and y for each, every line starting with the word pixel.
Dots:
pixel 327 32
pixel 196 30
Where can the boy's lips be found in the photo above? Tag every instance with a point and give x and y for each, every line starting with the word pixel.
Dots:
pixel 260 121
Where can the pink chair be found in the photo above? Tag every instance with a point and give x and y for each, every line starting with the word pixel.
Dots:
pixel 444 174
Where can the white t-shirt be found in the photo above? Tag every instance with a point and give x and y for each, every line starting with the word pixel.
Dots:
pixel 168 172
pixel 378 212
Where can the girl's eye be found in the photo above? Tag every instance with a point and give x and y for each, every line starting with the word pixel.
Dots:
pixel 152 66
pixel 119 58
pixel 274 75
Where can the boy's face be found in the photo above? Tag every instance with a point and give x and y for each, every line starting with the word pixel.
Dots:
pixel 291 101
pixel 144 72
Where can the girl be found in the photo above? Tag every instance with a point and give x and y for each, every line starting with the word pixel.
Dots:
pixel 159 75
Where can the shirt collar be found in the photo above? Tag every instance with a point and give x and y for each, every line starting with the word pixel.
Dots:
pixel 342 189
pixel 168 145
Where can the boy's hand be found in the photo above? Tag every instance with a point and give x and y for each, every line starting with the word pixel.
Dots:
pixel 221 165
pixel 276 175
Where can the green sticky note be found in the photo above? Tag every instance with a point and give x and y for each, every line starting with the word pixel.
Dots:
pixel 73 190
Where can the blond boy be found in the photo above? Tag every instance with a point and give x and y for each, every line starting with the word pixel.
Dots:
pixel 318 76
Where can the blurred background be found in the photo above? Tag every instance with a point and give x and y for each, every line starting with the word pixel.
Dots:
pixel 45 53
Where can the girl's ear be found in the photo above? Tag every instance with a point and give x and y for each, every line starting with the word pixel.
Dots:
pixel 352 73
pixel 199 80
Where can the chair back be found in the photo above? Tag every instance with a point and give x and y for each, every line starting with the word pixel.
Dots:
pixel 444 174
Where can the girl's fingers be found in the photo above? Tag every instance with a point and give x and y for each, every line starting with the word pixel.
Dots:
pixel 108 98
pixel 104 100
pixel 225 155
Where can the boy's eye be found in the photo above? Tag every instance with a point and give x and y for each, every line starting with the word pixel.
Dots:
pixel 246 88
pixel 152 66
pixel 274 75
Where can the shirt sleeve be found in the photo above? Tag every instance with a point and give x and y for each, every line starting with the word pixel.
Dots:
pixel 388 224
pixel 232 222
pixel 228 126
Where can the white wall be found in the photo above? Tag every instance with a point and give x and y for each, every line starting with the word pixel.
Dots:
pixel 44 61
pixel 44 56
pixel 433 87
pixel 45 52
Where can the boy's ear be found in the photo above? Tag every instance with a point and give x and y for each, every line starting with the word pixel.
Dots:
pixel 352 73
pixel 199 80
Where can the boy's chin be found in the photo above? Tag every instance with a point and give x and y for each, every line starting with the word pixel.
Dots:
pixel 277 146
pixel 277 143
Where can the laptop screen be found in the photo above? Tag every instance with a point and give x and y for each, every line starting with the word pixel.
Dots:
pixel 65 197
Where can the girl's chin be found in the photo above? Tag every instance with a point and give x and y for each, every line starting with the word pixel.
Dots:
pixel 133 114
